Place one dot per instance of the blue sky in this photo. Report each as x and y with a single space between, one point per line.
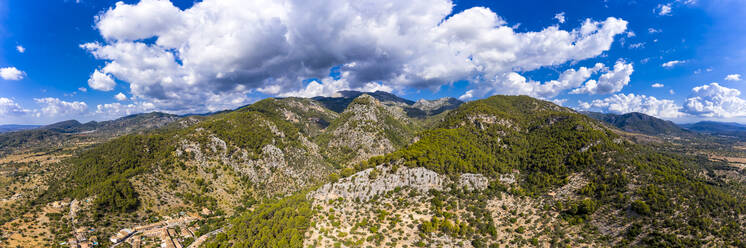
99 60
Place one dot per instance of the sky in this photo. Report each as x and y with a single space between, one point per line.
680 60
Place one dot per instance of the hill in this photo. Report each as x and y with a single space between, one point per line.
13 127
640 123
718 128
292 172
510 171
70 132
420 109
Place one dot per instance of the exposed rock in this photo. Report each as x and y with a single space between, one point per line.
365 184
434 107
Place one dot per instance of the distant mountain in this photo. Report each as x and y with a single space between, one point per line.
341 99
15 127
639 123
74 131
420 109
718 128
434 107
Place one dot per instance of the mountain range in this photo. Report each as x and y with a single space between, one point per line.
372 169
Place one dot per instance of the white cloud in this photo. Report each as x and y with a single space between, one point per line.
8 107
101 81
469 94
672 63
53 107
610 82
671 91
328 87
663 9
733 77
657 85
713 100
560 102
120 96
220 49
698 71
115 110
631 34
560 17
20 49
83 89
11 73
653 30
513 83
637 45
621 104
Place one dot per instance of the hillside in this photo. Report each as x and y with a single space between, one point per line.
71 132
718 128
511 171
640 123
12 127
292 172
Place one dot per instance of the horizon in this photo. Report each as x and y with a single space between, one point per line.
678 60
363 92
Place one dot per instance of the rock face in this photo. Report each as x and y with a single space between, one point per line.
368 183
368 128
434 107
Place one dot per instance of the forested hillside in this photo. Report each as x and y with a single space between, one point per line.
640 123
502 171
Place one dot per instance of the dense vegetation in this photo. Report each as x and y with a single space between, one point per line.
548 144
104 169
277 223
668 199
640 123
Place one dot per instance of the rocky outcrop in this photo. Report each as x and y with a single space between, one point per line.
434 107
366 127
368 183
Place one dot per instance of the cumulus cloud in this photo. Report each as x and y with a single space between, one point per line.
713 100
560 17
663 9
101 81
626 103
653 30
469 94
657 85
20 49
672 63
115 110
610 82
560 102
11 73
513 83
224 49
53 107
83 89
733 77
120 96
8 107
328 87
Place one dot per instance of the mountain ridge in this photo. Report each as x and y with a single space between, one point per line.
290 172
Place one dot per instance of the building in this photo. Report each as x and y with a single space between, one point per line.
121 235
73 243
